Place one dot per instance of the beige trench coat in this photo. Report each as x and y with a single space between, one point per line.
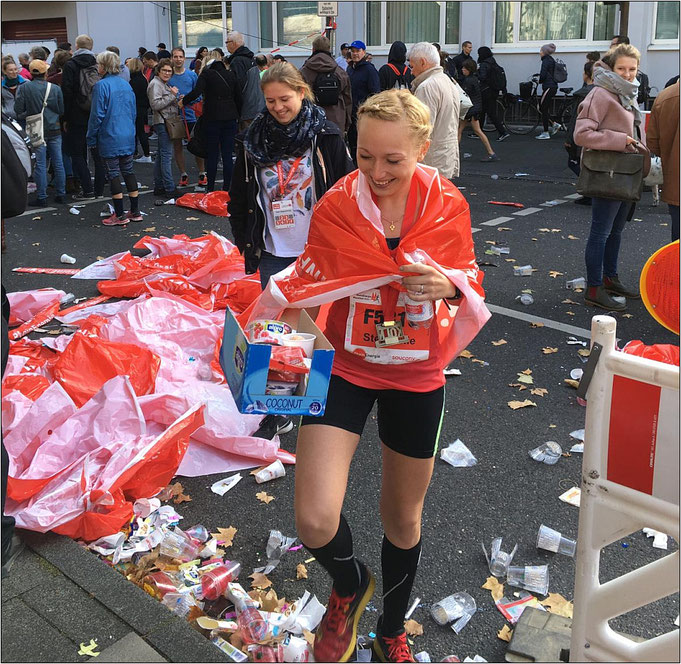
435 89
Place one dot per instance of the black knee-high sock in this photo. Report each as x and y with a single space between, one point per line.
399 572
338 559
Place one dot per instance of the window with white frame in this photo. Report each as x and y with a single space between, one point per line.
284 22
195 24
667 21
412 22
532 22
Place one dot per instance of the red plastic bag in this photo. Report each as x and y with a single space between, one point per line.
287 364
122 287
30 385
87 363
214 202
667 353
133 267
40 356
182 288
238 295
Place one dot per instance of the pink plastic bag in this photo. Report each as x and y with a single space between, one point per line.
26 304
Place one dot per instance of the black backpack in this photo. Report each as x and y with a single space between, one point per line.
87 77
560 72
326 89
497 77
643 87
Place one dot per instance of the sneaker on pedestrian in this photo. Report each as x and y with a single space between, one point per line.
146 159
490 157
391 648
184 180
544 136
107 210
83 196
503 137
336 635
615 286
203 180
553 129
114 220
133 216
273 425
597 296
16 547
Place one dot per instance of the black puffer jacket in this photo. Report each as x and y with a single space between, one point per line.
222 94
398 58
245 211
485 71
70 86
548 66
240 62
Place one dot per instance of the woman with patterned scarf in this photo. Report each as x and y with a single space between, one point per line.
286 160
609 119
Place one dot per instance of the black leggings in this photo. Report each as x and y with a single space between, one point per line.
489 107
140 134
545 104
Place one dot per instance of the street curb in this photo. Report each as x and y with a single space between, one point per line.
168 634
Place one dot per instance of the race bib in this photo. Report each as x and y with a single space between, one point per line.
283 214
365 313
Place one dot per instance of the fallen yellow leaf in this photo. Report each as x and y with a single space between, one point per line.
501 342
548 350
571 382
535 325
478 361
570 313
495 587
510 260
301 571
259 580
527 372
413 628
627 315
584 352
466 354
264 497
555 230
527 380
182 498
557 604
539 391
192 218
554 273
225 535
505 633
151 229
572 237
569 301
544 230
521 404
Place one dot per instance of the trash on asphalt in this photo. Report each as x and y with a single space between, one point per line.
576 374
571 496
277 545
525 299
221 487
424 656
659 539
534 578
577 448
458 608
475 658
74 210
577 434
452 372
510 203
458 455
498 251
65 258
512 609
272 472
522 270
26 304
573 341
548 452
215 581
551 540
498 561
575 284
412 608
519 175
494 177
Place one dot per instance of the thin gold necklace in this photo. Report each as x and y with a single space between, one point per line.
391 224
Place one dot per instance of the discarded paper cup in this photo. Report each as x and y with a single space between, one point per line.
272 471
576 374
552 540
522 270
65 258
302 340
534 578
547 453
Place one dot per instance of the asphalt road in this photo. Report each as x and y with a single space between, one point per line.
507 493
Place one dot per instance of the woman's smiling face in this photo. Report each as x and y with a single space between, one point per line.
626 67
387 155
283 102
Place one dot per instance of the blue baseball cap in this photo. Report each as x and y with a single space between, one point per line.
358 44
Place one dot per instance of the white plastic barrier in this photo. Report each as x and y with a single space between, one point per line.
630 480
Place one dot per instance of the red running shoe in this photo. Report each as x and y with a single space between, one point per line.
391 648
337 633
113 220
203 180
184 180
133 216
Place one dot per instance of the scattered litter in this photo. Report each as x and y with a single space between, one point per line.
495 587
422 656
574 284
576 374
476 658
170 201
554 273
659 539
412 608
192 218
517 205
505 633
548 350
452 372
525 299
519 175
221 487
557 604
512 609
271 472
534 578
498 251
577 448
277 545
522 270
676 622
36 218
552 203
571 496
74 210
498 561
264 497
65 258
501 342
573 341
577 434
89 650
494 177
458 455
548 453
459 607
413 628
301 571
551 540
466 155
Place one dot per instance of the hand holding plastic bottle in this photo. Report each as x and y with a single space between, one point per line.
425 282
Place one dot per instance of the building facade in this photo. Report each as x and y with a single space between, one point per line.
513 30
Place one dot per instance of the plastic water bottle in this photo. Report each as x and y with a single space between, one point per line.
252 625
419 314
215 582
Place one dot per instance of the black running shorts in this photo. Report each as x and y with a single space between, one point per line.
408 422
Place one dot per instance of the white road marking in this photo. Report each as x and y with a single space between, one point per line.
573 196
35 211
496 221
554 325
526 211
475 230
552 203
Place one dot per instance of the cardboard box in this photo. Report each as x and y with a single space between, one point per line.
246 366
